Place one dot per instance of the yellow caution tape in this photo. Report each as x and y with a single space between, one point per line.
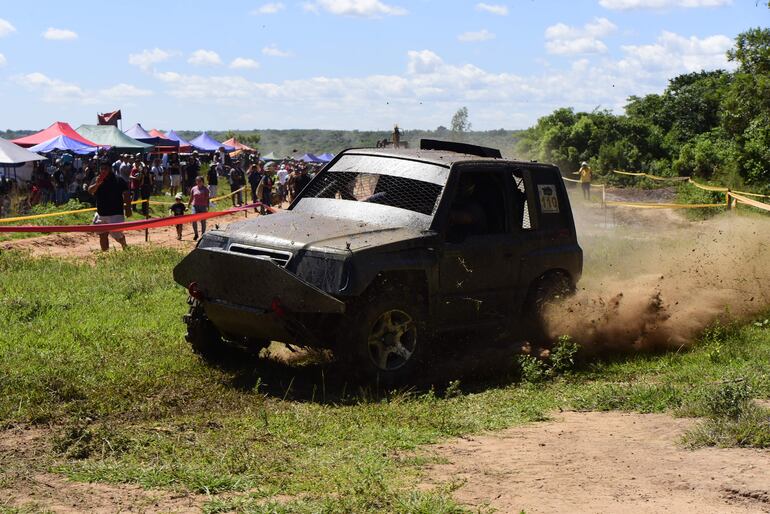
653 177
643 205
749 201
757 195
92 209
717 189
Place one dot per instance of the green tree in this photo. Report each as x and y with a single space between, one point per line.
460 122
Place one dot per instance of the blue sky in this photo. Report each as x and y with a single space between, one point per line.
349 64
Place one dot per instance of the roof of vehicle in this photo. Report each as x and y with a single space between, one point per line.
433 156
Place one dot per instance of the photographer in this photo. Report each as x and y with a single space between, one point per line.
113 203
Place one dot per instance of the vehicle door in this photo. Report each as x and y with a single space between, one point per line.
479 256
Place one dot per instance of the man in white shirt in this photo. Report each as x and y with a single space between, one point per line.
283 177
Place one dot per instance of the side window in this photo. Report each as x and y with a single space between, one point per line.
478 207
520 203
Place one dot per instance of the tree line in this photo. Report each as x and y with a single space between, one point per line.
714 125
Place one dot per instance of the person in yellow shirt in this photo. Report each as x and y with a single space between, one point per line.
585 174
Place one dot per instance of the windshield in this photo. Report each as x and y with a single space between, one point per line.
410 185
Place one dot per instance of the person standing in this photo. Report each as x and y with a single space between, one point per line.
157 175
60 183
237 181
192 169
145 189
178 208
213 178
396 137
283 178
585 175
199 200
113 202
266 190
254 176
174 175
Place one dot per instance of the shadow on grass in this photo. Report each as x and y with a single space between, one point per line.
316 376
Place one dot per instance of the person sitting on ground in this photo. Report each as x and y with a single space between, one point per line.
178 208
113 203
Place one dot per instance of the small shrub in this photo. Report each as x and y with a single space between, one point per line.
564 355
728 400
532 369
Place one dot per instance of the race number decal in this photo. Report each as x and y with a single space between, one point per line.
549 202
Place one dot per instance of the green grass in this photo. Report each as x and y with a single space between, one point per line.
96 351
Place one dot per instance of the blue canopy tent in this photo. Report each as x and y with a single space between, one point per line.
309 157
326 157
137 132
184 145
206 143
64 144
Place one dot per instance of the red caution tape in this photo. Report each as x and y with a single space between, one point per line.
130 225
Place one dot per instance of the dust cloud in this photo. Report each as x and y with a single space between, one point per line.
653 280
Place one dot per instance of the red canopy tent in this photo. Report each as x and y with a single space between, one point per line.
157 133
237 145
59 128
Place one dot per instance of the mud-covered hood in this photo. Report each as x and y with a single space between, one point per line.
295 231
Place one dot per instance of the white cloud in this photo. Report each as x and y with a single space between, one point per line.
269 8
622 5
673 53
243 63
564 39
500 10
472 37
3 60
359 8
59 91
59 34
6 28
204 58
147 58
274 51
121 90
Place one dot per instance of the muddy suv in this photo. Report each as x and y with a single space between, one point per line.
383 252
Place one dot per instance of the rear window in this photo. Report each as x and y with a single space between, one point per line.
381 181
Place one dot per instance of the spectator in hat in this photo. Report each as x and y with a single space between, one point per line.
178 208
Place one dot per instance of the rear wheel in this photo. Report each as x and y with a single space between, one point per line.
385 338
547 289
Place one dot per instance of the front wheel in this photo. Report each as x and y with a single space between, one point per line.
547 289
385 339
203 336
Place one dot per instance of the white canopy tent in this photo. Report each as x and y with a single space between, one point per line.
14 159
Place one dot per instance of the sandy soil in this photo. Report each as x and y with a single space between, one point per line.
603 462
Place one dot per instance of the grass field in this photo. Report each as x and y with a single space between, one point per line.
95 351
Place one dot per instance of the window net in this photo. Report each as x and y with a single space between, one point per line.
403 193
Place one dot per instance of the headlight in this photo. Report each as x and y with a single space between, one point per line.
212 241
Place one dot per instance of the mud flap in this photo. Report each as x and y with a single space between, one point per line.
251 282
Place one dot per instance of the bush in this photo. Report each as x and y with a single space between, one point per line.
728 400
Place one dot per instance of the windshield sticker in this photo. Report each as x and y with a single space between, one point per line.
549 202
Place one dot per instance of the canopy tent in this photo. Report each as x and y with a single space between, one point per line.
309 157
12 154
138 133
237 144
109 135
326 157
184 145
158 133
65 144
59 128
206 143
271 157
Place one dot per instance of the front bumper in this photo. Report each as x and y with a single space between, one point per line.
253 297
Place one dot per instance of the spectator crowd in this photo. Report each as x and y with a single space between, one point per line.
66 177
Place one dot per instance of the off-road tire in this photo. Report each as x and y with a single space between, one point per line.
367 347
203 336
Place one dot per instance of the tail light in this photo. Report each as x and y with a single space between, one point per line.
277 308
195 291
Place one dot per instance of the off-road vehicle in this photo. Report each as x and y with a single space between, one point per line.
384 254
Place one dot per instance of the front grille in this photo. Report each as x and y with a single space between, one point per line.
277 257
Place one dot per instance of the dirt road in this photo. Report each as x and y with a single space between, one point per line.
603 462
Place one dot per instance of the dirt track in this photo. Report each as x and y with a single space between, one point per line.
603 462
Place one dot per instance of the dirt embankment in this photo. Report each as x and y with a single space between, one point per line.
603 462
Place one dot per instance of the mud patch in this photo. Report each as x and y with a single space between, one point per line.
601 462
